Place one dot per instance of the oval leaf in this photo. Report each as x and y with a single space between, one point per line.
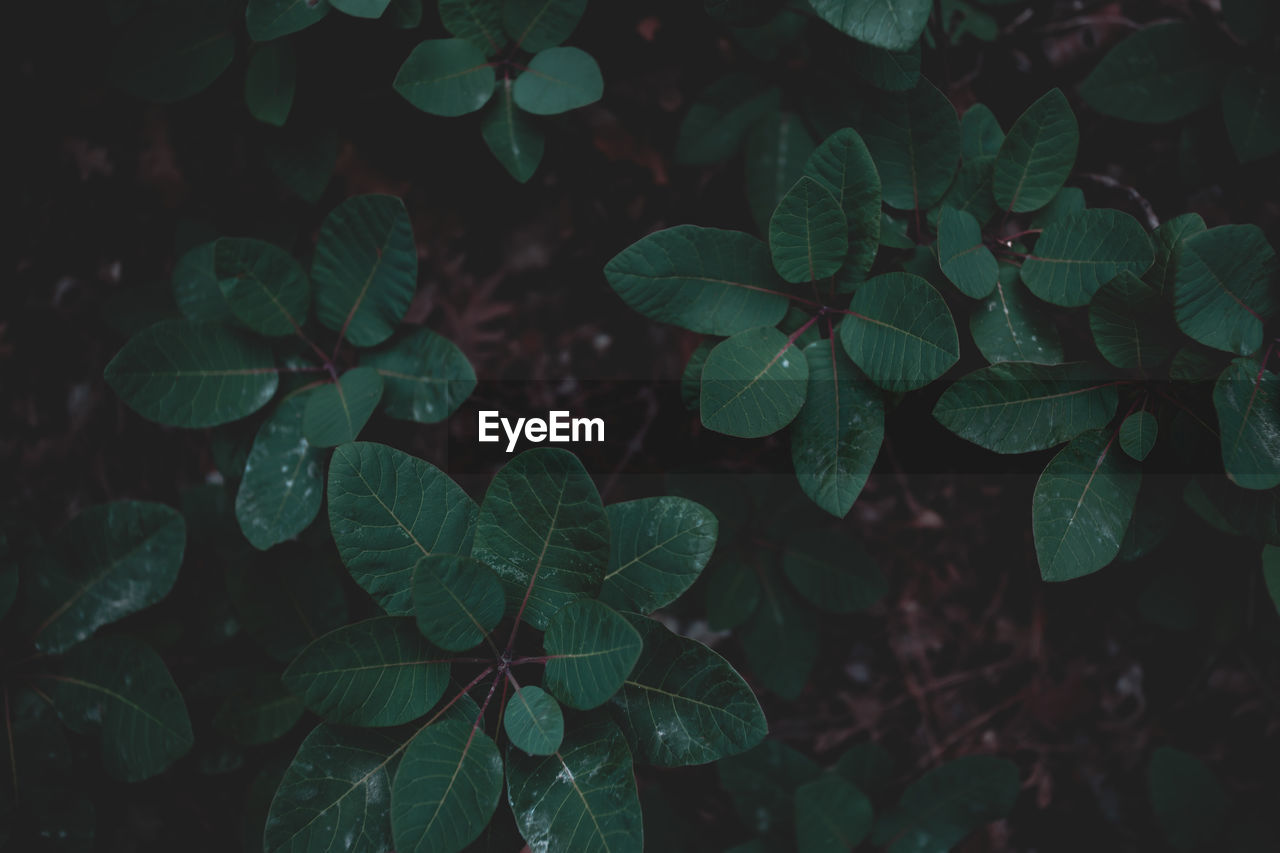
915 140
1077 255
1189 802
900 332
425 377
1222 289
590 651
1036 157
446 77
264 286
808 233
753 384
478 21
282 488
1011 325
270 19
1130 323
963 256
335 413
168 53
456 600
1159 74
1247 399
1138 434
890 24
533 721
980 133
557 80
657 548
512 136
269 82
844 166
539 24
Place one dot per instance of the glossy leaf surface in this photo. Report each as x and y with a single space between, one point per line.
557 80
533 721
1077 255
446 77
282 487
900 332
1037 155
753 384
335 412
808 233
591 649
457 600
1247 400
657 548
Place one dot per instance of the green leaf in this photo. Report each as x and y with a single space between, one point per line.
263 285
914 138
778 147
446 77
286 598
753 384
831 815
733 593
513 138
1222 289
1011 325
1271 572
980 133
893 71
379 672
405 14
1138 434
582 797
762 783
361 8
191 375
446 789
1251 109
425 378
657 549
1077 255
283 486
713 129
1189 802
900 332
478 21
365 269
1168 240
702 279
947 803
964 257
122 686
889 24
837 435
833 572
780 639
172 51
269 82
691 376
195 286
808 233
543 529
1159 74
1082 505
683 704
336 412
536 25
1129 321
557 80
110 561
1247 400
336 793
971 191
1037 155
270 19
387 510
533 721
264 711
590 652
1068 202
456 600
844 166
1019 408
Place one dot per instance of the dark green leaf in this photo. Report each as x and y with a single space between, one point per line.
1082 506
844 166
283 486
122 686
914 138
900 332
195 286
762 784
1251 108
379 672
336 794
533 721
557 80
365 269
361 8
590 652
833 572
446 788
580 798
831 815
657 549
337 411
720 117
837 435
808 233
270 19
691 376
269 82
1189 802
1159 74
1247 399
536 25
446 77
1222 289
387 510
543 529
110 561
733 592
703 279
980 133
964 257
405 14
753 383
890 24
173 51
188 374
456 600
512 136
683 704
971 191
778 147
262 713
1068 202
1018 408
1138 434
1130 323
1077 255
1011 325
1168 242
478 21
780 639
1037 155
425 377
943 806
893 71
263 285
